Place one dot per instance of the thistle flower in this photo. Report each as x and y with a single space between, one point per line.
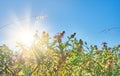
14 58
59 36
104 44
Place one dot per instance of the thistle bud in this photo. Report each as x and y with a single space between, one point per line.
72 36
81 42
95 47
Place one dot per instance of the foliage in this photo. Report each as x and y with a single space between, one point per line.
72 57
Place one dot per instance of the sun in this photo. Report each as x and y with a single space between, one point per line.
23 31
25 37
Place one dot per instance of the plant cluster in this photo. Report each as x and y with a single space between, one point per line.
53 57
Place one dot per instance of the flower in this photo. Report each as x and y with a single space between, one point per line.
14 58
104 43
59 36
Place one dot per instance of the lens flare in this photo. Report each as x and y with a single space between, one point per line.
23 29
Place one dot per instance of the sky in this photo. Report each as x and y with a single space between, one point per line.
88 18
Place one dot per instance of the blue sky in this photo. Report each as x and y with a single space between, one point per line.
85 17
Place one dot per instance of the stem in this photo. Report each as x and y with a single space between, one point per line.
34 70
